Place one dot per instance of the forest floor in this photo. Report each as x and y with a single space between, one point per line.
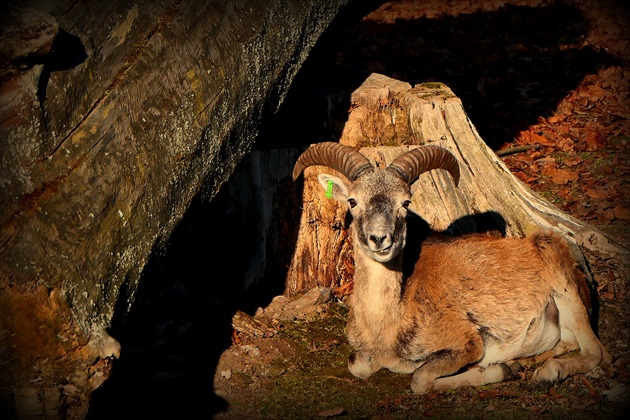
552 77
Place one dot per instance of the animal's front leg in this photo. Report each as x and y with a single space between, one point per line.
422 381
446 362
401 366
362 365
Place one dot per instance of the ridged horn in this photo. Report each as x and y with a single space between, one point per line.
410 165
345 159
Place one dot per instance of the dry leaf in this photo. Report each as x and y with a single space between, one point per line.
573 160
566 145
555 118
565 193
524 177
594 140
618 393
595 93
332 412
560 176
529 137
622 213
596 193
606 216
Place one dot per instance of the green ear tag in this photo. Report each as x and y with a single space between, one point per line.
329 190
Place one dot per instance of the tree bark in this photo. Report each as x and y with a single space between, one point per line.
387 117
114 115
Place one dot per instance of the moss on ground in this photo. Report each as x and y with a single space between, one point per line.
314 382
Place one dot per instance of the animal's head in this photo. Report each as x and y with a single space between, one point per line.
377 198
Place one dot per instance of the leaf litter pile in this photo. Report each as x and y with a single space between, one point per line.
579 155
547 85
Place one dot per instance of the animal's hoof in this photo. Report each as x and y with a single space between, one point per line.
515 367
547 375
421 388
421 385
542 385
360 366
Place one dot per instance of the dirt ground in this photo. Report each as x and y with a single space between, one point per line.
570 63
300 372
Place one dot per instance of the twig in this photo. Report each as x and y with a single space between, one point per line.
517 149
332 377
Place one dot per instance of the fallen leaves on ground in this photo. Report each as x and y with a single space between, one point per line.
584 164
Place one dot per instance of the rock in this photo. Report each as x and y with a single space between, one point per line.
315 296
247 324
279 300
250 350
27 33
308 304
27 402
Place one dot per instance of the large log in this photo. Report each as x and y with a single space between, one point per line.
114 115
386 118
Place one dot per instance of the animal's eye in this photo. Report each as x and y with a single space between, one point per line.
352 202
406 203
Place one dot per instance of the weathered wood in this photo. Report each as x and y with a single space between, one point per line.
387 112
323 251
114 115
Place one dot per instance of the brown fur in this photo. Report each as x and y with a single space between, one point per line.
468 294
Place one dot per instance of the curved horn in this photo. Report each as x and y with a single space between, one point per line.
410 165
345 159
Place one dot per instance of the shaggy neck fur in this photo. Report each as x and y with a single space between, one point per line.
377 291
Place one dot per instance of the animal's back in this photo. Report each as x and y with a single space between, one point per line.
500 283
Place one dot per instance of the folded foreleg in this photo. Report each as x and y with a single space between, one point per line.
448 361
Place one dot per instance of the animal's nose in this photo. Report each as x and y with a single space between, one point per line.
380 241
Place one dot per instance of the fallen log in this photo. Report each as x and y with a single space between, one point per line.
113 117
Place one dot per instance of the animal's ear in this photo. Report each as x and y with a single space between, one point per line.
334 187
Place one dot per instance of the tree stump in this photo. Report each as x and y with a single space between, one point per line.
388 117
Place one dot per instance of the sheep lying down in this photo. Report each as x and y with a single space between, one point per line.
472 306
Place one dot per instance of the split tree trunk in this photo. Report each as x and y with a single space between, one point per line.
387 118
